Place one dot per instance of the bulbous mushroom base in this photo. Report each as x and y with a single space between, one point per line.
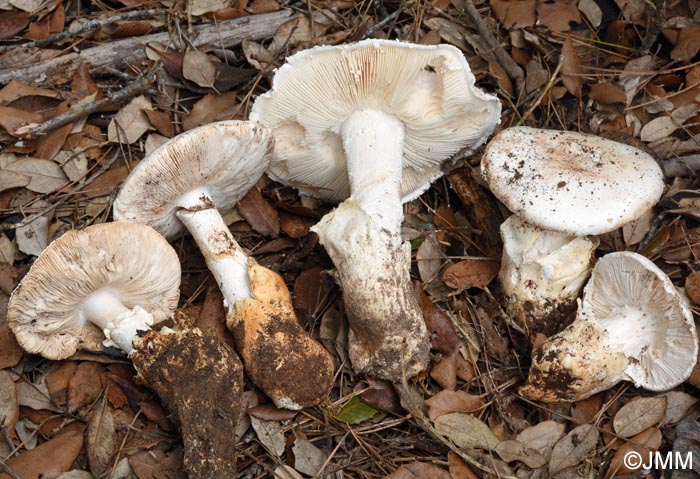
575 364
546 317
279 356
388 337
199 380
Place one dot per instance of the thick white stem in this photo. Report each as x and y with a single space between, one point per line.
373 143
119 323
225 258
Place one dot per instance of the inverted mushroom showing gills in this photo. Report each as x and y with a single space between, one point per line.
563 187
184 184
125 277
372 123
632 325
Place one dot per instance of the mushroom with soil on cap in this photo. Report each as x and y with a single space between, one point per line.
632 325
563 187
184 184
372 123
125 277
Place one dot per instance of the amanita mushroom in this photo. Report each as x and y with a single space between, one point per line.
124 277
372 123
185 183
632 325
564 187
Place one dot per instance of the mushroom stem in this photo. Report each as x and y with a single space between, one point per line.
388 337
373 143
119 323
225 258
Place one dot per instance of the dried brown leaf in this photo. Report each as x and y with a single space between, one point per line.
458 469
260 214
161 121
295 226
100 439
514 14
591 11
211 108
692 286
48 459
557 16
12 22
381 395
572 448
501 76
57 381
198 68
10 351
470 273
543 436
586 410
308 459
19 122
32 238
446 402
419 470
58 19
443 335
15 90
44 176
571 68
635 231
263 6
517 451
106 183
269 412
9 403
466 431
679 403
640 446
84 386
639 414
658 128
688 44
535 76
11 179
131 122
269 434
607 93
155 464
429 258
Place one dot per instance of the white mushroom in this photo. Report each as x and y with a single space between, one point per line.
567 186
632 325
184 184
122 277
372 123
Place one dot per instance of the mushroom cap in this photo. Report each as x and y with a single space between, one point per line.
429 88
570 182
130 260
225 158
645 316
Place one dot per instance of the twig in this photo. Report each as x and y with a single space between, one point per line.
86 27
140 85
370 31
546 89
508 64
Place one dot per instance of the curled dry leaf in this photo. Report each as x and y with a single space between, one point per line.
514 15
466 431
557 16
429 258
639 414
260 214
591 11
11 23
100 439
470 273
50 458
9 404
572 448
446 402
419 470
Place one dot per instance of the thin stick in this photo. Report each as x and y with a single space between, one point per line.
370 31
91 25
546 89
140 85
508 64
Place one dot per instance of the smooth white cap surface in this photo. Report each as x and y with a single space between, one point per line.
129 260
224 159
570 182
430 89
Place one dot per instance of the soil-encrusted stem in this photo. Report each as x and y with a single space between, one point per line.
362 236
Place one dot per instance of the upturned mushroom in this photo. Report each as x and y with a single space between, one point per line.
125 277
632 325
184 184
372 123
564 188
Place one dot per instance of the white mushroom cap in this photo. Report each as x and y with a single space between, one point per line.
430 89
224 159
645 316
571 182
128 260
632 324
